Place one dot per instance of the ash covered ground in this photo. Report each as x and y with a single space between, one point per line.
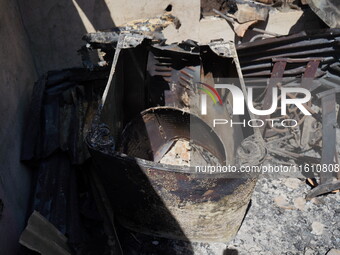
281 221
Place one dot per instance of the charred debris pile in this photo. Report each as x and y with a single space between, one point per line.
98 137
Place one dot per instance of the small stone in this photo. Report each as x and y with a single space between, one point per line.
155 242
333 252
281 201
300 203
317 228
292 183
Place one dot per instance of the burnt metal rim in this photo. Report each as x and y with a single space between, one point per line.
212 133
147 164
159 166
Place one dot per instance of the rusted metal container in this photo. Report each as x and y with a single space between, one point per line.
159 199
167 200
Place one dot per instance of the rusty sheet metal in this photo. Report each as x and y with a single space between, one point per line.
276 77
309 74
319 46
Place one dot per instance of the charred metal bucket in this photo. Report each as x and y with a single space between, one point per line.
151 197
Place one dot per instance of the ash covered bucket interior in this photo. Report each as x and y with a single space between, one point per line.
163 135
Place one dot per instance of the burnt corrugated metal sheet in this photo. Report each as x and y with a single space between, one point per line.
63 104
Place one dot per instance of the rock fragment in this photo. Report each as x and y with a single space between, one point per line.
317 228
300 203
